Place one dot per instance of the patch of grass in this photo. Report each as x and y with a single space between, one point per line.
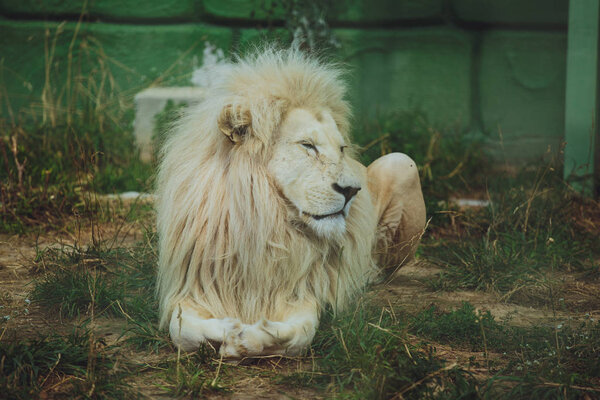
464 327
515 246
372 353
568 354
47 168
500 266
194 374
536 387
557 362
367 354
74 365
144 335
76 292
539 362
108 281
114 281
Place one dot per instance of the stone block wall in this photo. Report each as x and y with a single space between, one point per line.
490 66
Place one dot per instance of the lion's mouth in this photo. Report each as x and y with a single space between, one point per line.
323 216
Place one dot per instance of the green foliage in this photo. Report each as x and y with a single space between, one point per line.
28 367
144 335
114 281
449 161
46 169
56 154
542 361
500 267
463 327
194 374
558 362
568 352
75 292
365 353
525 233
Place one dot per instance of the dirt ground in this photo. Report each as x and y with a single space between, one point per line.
408 290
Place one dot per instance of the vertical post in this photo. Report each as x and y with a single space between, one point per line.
581 103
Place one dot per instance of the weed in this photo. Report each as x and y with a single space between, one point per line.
499 267
365 353
103 280
535 387
52 365
74 292
565 353
559 362
116 281
145 335
515 246
463 326
194 374
540 361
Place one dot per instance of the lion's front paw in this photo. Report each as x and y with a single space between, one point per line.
253 340
230 348
232 326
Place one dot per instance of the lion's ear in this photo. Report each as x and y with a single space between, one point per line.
235 123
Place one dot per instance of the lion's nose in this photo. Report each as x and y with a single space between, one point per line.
348 191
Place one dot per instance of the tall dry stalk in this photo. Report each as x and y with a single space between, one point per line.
70 64
49 105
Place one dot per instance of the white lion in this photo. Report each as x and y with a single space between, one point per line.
265 217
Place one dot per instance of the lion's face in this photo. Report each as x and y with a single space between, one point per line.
312 170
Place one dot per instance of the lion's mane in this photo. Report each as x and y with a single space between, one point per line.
224 237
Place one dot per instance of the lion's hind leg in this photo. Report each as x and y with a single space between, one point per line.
191 326
396 189
290 335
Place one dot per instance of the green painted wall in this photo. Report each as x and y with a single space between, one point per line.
522 90
582 153
428 69
538 13
355 11
108 10
489 66
358 12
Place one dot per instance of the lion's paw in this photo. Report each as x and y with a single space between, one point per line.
253 340
230 347
232 326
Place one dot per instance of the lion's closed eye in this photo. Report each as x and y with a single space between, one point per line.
309 146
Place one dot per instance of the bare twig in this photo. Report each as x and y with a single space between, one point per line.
20 165
417 383
70 63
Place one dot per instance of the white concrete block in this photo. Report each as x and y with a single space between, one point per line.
152 101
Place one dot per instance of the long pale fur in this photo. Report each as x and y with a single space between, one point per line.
224 235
